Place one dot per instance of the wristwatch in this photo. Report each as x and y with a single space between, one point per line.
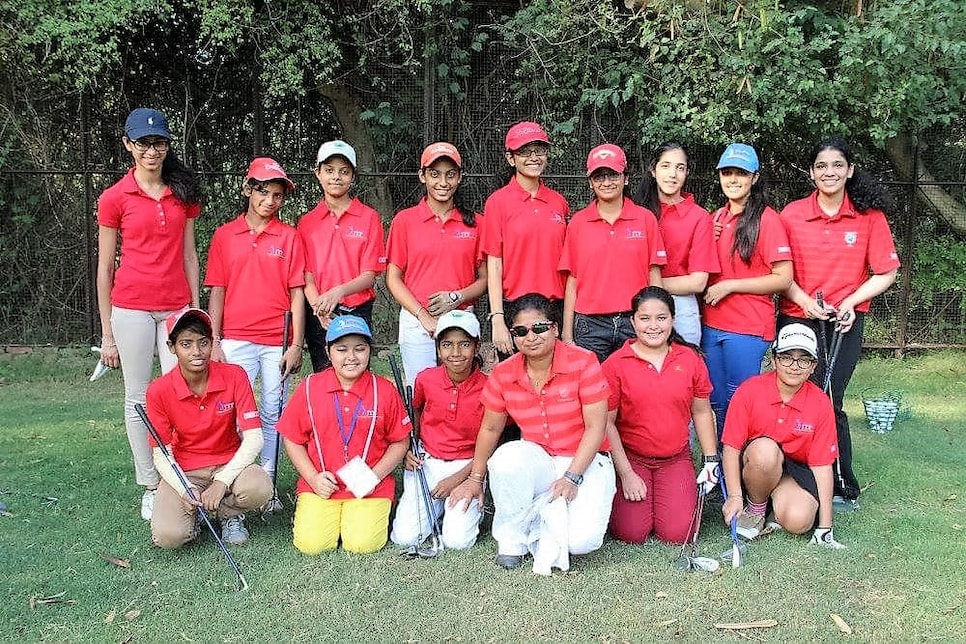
576 479
713 458
454 296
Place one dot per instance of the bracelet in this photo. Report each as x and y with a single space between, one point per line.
476 478
495 313
106 345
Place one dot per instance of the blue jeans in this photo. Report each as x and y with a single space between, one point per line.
732 358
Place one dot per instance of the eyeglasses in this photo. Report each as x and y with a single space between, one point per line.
803 362
142 145
531 152
838 166
521 331
606 177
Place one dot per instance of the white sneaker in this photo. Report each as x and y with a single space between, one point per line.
233 530
147 504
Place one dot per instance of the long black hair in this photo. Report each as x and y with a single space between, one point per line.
865 191
657 293
466 210
647 194
182 180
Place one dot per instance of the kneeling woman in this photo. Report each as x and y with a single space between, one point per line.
344 428
554 488
658 384
447 403
205 412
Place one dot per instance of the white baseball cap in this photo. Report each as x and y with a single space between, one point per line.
330 149
459 319
796 336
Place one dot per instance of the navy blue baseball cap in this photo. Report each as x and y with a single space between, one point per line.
145 121
347 325
739 155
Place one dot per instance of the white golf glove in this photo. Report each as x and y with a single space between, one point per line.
824 537
708 477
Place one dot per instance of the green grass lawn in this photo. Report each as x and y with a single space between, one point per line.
901 579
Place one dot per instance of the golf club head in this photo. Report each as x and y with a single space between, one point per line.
682 563
728 555
242 583
99 367
704 564
409 553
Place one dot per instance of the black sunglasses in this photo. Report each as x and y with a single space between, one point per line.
521 331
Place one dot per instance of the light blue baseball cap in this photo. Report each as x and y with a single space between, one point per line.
739 155
347 325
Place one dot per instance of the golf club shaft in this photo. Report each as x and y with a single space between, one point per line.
139 408
286 338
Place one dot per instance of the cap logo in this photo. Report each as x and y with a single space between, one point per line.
604 154
273 166
150 120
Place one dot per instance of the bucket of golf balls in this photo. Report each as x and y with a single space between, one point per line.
881 410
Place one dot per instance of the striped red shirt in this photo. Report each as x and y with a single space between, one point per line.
553 417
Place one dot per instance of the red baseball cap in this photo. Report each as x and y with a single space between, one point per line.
174 322
436 151
606 156
267 169
525 132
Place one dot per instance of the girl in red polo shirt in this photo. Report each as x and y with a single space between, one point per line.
151 213
552 489
612 226
524 230
345 431
687 231
435 262
842 248
658 384
345 249
739 313
447 401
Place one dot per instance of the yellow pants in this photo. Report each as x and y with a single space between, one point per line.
362 524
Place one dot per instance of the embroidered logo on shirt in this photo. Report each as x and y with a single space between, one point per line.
275 251
801 426
558 218
248 415
634 234
224 407
851 238
355 233
464 234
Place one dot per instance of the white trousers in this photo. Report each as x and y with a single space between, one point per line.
412 522
261 361
139 334
687 318
417 347
520 472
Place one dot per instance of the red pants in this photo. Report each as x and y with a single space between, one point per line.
668 505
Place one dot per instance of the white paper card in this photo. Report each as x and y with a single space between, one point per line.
358 477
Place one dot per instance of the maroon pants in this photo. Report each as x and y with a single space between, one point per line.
668 505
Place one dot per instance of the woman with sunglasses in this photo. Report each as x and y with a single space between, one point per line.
524 227
150 214
739 312
615 228
552 489
844 256
435 263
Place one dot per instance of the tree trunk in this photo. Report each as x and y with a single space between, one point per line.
902 153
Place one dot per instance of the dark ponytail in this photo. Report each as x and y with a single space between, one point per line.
749 223
647 193
182 181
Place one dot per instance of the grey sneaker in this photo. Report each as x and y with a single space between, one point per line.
233 530
750 525
842 504
147 504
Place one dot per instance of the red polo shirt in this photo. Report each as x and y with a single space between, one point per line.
688 233
451 413
553 417
339 249
391 425
654 407
203 431
804 427
257 272
151 274
528 234
744 312
611 262
835 254
434 255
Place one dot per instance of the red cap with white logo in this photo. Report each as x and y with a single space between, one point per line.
606 156
266 169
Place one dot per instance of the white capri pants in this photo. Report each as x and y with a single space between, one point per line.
412 523
520 471
687 318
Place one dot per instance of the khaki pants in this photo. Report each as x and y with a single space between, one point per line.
172 526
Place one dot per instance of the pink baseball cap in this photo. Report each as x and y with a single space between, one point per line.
438 150
606 156
267 169
174 322
525 132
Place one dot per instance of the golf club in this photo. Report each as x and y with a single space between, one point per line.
738 550
689 559
275 503
139 408
99 367
823 332
833 354
436 542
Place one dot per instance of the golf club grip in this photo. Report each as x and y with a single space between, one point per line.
286 331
